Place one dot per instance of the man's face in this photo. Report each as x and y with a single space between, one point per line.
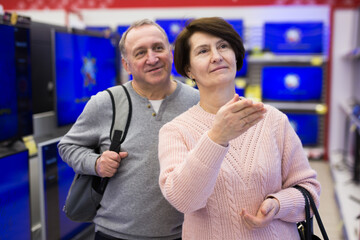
148 55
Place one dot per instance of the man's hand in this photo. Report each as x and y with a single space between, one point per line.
108 163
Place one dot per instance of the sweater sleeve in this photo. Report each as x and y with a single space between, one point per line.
295 170
77 147
188 176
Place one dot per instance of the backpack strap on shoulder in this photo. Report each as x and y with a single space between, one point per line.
122 110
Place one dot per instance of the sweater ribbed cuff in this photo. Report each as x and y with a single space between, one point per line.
288 201
210 153
89 164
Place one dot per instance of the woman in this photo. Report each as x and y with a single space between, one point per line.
227 163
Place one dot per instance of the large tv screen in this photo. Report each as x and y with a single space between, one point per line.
55 180
294 37
15 82
282 83
172 27
238 25
84 65
306 125
15 218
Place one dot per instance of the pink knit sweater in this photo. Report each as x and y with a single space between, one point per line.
211 184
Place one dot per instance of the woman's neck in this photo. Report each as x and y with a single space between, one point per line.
211 100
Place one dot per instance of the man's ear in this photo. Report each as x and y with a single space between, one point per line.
188 73
125 65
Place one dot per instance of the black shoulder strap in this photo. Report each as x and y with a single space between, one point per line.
307 194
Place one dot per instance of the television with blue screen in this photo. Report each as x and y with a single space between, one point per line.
238 25
172 27
282 83
84 65
15 218
55 181
306 125
294 37
243 71
120 29
15 82
98 28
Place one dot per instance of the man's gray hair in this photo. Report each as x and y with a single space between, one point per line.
136 25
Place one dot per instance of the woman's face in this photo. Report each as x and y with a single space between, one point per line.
212 60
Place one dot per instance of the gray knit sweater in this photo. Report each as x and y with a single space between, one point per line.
133 206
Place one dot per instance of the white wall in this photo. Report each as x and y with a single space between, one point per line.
342 74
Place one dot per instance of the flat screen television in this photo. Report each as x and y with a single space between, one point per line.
15 218
307 126
243 71
282 83
98 28
55 180
120 29
15 81
294 37
172 27
84 65
238 25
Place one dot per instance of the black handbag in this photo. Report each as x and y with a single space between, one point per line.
305 228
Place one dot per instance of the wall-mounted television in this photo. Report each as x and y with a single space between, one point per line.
238 25
283 83
307 126
55 180
294 37
15 81
99 28
172 27
84 65
120 29
243 71
15 218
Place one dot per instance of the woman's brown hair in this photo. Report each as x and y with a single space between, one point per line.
215 26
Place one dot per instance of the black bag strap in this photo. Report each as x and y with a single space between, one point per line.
308 219
308 196
117 134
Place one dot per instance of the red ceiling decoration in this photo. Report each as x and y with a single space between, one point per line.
9 5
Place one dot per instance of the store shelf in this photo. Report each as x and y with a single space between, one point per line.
348 196
271 58
346 107
313 107
354 54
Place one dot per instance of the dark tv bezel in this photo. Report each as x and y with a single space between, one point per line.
20 134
